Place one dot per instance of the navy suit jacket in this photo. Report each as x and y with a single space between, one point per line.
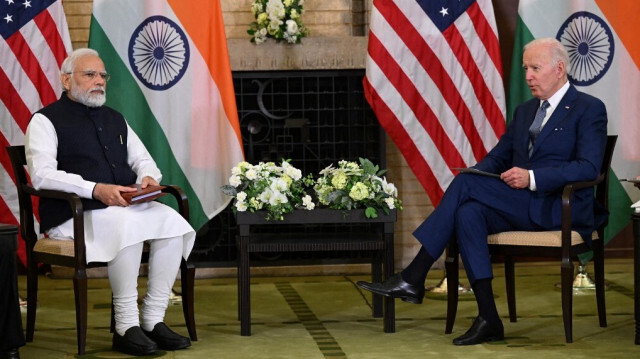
570 148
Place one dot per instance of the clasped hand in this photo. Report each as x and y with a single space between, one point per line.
516 177
109 194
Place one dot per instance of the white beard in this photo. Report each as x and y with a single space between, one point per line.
87 98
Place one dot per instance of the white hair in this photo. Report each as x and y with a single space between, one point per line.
558 51
69 64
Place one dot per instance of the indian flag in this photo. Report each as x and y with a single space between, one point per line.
604 49
171 79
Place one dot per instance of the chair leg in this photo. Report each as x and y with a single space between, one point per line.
510 283
112 328
453 280
32 298
187 280
598 264
80 292
566 274
376 277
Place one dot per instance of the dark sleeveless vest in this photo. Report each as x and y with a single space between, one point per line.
92 142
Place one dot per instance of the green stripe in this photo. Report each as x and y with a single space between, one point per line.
619 201
518 90
125 96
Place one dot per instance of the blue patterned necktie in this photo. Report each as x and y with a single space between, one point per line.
536 126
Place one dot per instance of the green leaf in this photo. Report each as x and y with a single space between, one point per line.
229 190
371 212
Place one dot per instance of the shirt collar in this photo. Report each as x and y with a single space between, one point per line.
555 99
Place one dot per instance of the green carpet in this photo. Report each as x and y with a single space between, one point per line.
329 317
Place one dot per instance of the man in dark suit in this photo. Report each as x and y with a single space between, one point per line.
556 138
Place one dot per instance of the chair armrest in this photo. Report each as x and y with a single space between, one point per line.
567 198
77 212
181 199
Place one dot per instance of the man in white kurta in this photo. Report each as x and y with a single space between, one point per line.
114 231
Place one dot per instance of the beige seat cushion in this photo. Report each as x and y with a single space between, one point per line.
54 246
540 239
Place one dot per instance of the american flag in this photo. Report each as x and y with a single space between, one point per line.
35 41
434 81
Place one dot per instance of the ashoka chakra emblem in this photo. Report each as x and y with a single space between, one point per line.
590 44
158 52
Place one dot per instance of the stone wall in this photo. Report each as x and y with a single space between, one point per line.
336 41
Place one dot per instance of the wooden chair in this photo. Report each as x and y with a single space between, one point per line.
73 253
564 245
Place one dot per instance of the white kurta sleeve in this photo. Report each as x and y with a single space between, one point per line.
41 149
139 158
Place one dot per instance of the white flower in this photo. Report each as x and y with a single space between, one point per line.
251 174
236 170
235 180
278 198
294 14
275 9
291 171
266 195
389 188
292 27
308 203
288 2
390 202
256 7
241 206
241 196
300 2
279 185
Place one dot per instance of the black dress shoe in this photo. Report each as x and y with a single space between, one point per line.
134 342
12 353
396 287
481 331
167 339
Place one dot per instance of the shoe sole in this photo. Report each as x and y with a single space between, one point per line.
492 339
412 300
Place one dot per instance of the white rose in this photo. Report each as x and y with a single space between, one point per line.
390 203
235 181
308 203
251 174
241 206
241 196
292 27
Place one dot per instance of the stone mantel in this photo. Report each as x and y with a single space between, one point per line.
314 53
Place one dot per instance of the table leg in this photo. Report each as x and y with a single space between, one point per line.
376 277
244 287
636 271
389 303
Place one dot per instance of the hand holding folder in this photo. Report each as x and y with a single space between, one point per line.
147 194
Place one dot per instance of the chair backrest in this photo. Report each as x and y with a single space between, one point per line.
18 163
602 189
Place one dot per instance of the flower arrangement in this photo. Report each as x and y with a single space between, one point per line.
266 186
352 185
278 19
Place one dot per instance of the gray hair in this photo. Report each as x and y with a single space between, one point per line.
558 51
69 64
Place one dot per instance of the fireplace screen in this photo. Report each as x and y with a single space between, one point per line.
313 118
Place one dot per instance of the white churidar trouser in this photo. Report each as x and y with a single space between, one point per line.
164 263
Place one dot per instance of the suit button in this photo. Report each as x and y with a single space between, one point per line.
106 148
113 165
